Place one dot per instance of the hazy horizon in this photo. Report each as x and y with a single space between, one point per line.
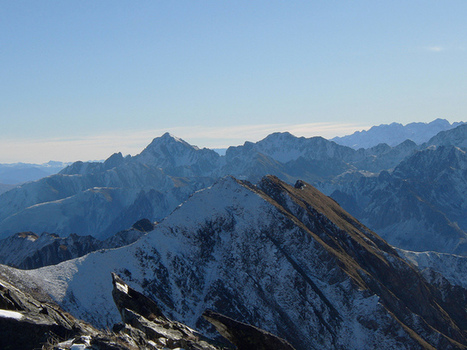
133 144
39 151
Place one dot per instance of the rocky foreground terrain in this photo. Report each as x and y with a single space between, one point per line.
284 258
28 322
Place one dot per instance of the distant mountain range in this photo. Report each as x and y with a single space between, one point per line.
395 133
392 134
16 173
413 195
101 198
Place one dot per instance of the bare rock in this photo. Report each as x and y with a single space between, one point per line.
244 336
26 323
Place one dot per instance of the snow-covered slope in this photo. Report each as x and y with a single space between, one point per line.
395 133
284 258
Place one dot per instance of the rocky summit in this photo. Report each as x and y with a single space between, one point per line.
286 259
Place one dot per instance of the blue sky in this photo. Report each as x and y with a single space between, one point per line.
84 79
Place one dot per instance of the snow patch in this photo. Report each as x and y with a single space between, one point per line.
122 287
11 314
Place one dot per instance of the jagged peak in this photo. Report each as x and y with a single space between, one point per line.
168 138
114 160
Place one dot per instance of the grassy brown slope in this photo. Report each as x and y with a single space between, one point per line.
367 259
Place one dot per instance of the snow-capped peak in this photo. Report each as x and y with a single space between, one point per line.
175 155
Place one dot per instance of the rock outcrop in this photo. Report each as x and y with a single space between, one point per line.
244 336
142 314
26 323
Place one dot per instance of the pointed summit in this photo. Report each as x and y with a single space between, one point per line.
177 157
170 138
167 140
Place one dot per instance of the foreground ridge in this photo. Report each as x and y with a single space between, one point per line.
44 325
284 258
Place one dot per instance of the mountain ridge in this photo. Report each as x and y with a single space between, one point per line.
102 198
317 282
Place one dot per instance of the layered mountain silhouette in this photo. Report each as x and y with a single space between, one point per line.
102 198
413 195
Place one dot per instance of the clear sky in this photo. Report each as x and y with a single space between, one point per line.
80 80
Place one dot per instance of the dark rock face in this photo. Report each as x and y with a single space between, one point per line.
141 314
128 298
26 323
143 225
244 336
